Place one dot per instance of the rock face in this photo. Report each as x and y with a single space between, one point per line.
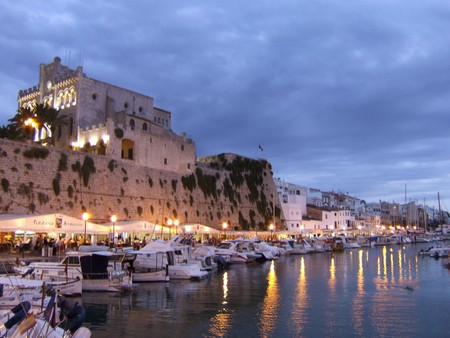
223 188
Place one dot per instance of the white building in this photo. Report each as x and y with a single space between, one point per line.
293 203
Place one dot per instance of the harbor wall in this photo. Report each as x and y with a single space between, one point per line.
225 188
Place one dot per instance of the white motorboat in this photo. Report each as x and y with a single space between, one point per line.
348 242
15 289
227 250
439 252
176 269
297 248
265 250
98 269
187 251
56 276
365 242
149 266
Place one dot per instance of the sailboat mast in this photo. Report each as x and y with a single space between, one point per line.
424 216
440 214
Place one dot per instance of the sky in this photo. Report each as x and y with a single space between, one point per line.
349 96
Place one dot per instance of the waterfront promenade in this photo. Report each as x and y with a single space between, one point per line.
9 258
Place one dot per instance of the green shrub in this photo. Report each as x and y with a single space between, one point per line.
5 185
118 132
62 164
37 153
111 165
55 184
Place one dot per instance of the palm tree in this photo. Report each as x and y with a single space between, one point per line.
27 120
23 124
50 119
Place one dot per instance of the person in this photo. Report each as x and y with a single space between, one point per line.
72 313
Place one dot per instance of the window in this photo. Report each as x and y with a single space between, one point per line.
165 161
125 105
132 124
182 147
144 126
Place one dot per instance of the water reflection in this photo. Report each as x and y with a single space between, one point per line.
268 315
301 303
220 323
362 293
332 280
358 301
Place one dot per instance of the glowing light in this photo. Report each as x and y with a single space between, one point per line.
105 138
30 122
93 140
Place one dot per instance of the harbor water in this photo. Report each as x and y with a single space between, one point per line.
369 292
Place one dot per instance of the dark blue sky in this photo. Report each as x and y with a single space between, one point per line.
350 96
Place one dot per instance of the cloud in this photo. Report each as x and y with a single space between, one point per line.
349 96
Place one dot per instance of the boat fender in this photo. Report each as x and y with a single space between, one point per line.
20 311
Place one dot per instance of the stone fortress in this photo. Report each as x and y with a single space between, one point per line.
119 155
98 110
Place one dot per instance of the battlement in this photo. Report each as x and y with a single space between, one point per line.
28 91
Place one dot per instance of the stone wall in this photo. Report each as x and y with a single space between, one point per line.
36 179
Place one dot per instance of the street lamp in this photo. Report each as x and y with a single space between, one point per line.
271 227
225 226
169 223
114 220
85 217
176 223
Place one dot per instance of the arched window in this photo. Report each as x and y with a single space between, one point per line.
73 95
132 124
144 126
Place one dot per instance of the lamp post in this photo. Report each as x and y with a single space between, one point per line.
224 227
114 220
271 227
176 223
169 224
85 217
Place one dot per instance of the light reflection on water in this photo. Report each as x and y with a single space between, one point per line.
268 314
358 293
299 306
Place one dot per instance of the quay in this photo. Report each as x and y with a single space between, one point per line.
9 259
